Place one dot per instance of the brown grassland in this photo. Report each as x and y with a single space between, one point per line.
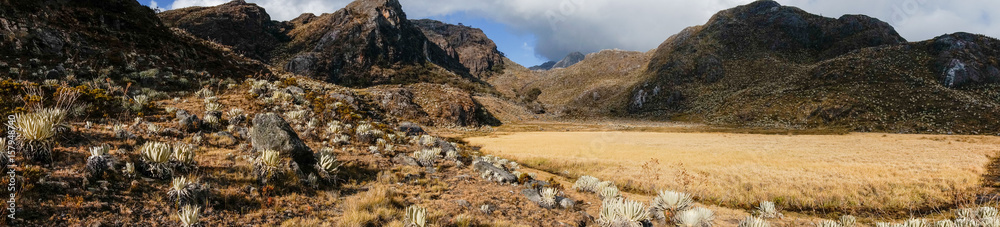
865 174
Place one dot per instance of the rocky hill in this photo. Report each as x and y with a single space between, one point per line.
53 39
369 42
570 60
566 62
467 44
767 65
244 26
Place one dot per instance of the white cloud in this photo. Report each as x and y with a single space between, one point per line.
563 26
153 5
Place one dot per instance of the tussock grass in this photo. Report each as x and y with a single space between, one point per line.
376 207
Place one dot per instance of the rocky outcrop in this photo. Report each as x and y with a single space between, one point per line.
570 60
467 44
50 39
494 173
431 104
965 59
244 26
271 132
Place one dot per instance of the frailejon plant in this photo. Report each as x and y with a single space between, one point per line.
427 157
183 157
100 162
622 212
752 221
129 170
697 217
985 212
36 132
266 167
848 221
156 157
416 216
944 223
328 163
586 184
184 192
667 203
189 215
766 209
827 223
549 197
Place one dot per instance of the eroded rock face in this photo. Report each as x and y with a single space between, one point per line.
469 45
964 59
271 132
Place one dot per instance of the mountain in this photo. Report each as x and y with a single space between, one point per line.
244 26
569 60
592 87
767 65
88 39
467 44
369 42
544 66
566 62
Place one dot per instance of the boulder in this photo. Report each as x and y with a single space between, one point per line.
497 174
187 122
271 132
411 129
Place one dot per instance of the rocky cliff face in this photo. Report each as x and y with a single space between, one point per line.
52 39
767 65
244 26
369 42
469 45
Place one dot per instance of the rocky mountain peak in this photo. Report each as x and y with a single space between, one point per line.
570 60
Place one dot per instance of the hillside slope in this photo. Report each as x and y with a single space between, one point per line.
467 44
766 65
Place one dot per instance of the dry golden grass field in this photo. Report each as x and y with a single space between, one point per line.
867 174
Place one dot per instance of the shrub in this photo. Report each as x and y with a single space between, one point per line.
328 163
768 210
989 222
697 217
156 157
213 107
608 191
416 216
586 184
752 221
99 163
183 153
189 215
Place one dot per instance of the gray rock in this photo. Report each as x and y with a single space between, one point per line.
463 203
411 129
295 90
565 203
500 175
403 159
271 132
187 122
532 195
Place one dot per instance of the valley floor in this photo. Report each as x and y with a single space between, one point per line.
873 176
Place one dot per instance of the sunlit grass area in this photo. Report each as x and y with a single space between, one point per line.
880 174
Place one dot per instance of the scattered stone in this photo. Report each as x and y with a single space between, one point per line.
411 129
403 159
498 174
187 122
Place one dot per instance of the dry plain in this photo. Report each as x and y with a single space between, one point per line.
865 174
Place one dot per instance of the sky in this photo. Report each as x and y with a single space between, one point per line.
531 32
